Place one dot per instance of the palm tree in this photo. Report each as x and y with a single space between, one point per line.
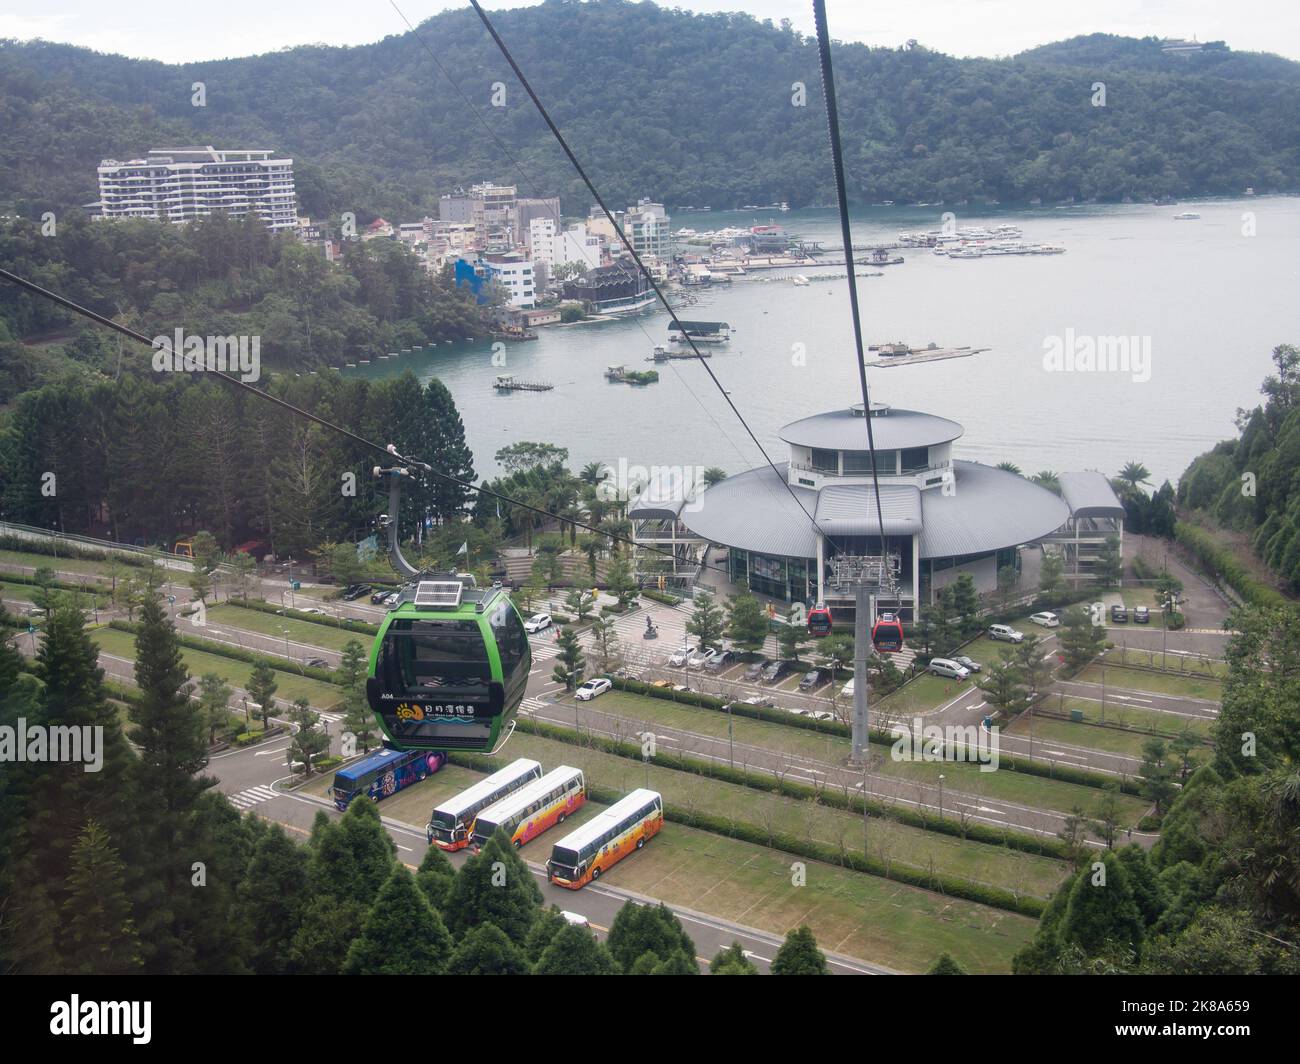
1135 473
1010 467
592 473
1047 479
714 475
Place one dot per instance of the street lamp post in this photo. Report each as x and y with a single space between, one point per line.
941 778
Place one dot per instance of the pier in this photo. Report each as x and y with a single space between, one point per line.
510 383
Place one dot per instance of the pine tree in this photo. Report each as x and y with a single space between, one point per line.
494 887
102 939
214 702
485 950
747 623
436 876
706 621
732 961
401 935
574 951
272 896
639 930
799 955
570 663
308 739
261 689
351 857
945 965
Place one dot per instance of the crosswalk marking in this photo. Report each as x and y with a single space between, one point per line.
251 797
532 704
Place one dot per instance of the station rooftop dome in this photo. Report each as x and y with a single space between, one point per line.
891 428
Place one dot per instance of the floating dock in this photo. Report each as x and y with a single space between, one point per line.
510 383
899 354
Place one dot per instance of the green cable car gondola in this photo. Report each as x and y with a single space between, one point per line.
449 667
450 663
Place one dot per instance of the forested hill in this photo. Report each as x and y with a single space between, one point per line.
691 109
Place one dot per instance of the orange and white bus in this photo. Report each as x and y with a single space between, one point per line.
532 809
450 825
584 853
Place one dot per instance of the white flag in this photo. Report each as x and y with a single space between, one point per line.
464 548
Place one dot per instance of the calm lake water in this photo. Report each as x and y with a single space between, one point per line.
1212 301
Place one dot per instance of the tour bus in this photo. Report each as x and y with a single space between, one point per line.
584 853
532 809
383 773
449 825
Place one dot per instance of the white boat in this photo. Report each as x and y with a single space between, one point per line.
800 281
784 206
683 231
1186 216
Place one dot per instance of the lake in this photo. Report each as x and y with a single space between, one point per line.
1210 302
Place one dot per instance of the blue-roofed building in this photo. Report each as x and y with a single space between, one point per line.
788 530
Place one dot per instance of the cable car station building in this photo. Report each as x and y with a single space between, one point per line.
942 516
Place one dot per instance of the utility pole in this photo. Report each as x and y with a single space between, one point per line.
863 611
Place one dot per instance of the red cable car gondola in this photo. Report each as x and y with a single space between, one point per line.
887 633
819 620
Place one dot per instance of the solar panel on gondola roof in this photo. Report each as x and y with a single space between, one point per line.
439 593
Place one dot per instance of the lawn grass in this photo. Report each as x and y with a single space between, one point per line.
1137 719
326 636
923 695
1158 683
1112 740
892 924
1180 664
289 685
84 566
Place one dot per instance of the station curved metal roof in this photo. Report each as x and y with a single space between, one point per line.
987 509
892 429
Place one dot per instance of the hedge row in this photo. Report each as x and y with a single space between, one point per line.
1063 773
8 541
661 596
349 624
753 833
58 585
224 650
1223 565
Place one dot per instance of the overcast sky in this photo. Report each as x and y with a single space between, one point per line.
172 32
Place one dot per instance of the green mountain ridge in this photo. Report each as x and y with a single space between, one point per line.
689 109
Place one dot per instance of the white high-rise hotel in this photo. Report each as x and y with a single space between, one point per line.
177 184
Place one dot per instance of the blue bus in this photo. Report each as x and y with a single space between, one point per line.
383 773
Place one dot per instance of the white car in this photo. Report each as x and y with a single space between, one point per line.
701 657
592 688
948 668
680 656
1047 619
537 622
311 609
576 919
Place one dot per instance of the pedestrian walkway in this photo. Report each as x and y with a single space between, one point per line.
532 705
251 797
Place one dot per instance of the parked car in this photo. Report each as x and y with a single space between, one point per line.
776 670
354 591
813 679
392 598
1047 619
315 611
970 663
1141 615
661 683
576 919
821 714
699 658
318 663
537 622
1118 614
378 596
755 671
679 657
1005 633
948 668
758 700
721 660
592 688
